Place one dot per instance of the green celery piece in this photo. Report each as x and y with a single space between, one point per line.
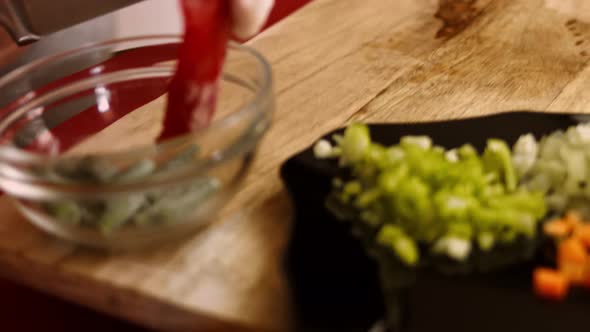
376 154
467 151
367 198
531 202
172 205
553 168
91 212
575 163
492 191
137 171
118 212
460 229
371 218
389 233
486 219
404 247
467 172
527 225
497 157
88 168
365 171
463 188
508 236
337 183
491 177
394 155
540 182
421 142
65 211
185 157
486 240
355 143
424 163
412 204
505 220
438 150
100 169
350 190
337 138
557 201
454 247
389 179
550 146
472 168
453 207
407 250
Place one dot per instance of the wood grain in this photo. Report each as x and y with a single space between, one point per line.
334 62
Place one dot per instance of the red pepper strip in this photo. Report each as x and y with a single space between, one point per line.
193 90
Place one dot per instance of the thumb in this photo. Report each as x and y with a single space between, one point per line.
248 16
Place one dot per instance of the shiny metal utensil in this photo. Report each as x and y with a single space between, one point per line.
27 21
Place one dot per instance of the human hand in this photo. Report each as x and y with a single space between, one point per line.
249 16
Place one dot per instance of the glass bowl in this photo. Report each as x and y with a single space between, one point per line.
78 148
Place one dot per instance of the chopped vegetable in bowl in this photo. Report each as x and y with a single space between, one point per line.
138 210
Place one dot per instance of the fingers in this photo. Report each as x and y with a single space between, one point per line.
249 16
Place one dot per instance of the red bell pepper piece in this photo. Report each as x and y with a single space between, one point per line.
193 90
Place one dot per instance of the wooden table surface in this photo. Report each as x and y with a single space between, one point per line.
335 61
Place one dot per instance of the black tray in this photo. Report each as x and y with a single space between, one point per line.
336 286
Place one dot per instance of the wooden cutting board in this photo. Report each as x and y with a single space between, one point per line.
335 61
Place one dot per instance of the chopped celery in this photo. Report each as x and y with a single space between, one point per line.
118 211
67 211
389 180
498 158
109 214
451 201
139 170
560 168
525 153
422 142
393 237
454 247
485 240
323 149
355 143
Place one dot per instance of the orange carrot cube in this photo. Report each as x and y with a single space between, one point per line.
557 228
582 232
550 284
572 258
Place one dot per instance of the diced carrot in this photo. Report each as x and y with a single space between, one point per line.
586 283
550 284
572 258
575 273
572 250
557 228
582 232
573 219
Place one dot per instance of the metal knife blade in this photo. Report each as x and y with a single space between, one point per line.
27 20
